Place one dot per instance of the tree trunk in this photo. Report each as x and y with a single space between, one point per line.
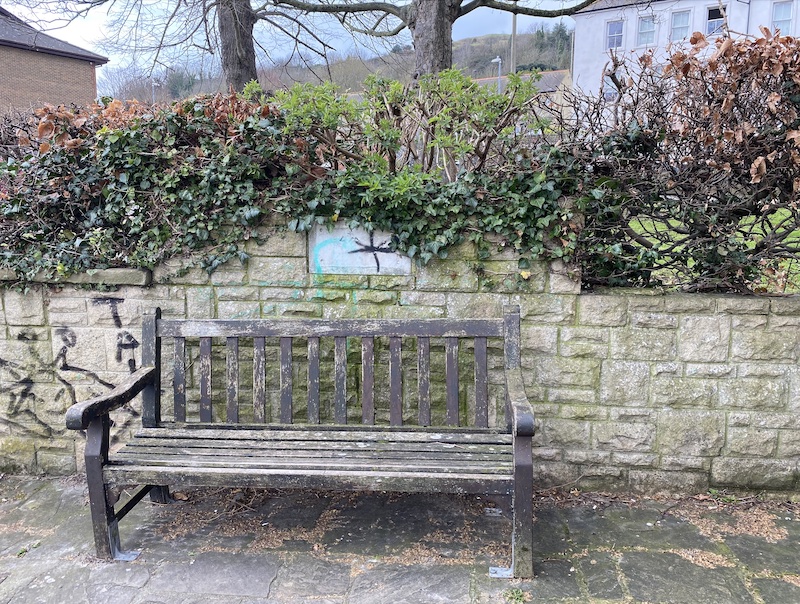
235 19
431 25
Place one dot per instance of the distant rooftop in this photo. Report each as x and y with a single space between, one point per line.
606 4
14 32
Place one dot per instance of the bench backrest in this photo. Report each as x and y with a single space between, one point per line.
193 347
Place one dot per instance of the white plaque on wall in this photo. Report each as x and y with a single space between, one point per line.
345 251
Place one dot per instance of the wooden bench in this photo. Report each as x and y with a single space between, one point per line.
289 432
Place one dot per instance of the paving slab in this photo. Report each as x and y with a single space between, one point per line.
235 546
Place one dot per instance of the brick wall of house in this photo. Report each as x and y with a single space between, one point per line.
33 78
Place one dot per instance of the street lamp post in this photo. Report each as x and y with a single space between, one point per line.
499 62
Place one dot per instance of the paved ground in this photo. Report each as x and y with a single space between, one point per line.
259 547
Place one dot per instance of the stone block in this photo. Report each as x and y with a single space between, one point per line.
711 370
24 308
539 340
236 309
788 444
247 293
666 368
764 345
140 277
584 342
575 396
563 279
583 457
624 437
602 310
654 320
741 305
548 308
288 294
339 281
17 455
563 373
582 412
325 295
691 433
412 312
659 482
392 282
54 462
546 454
643 344
704 339
624 383
753 393
277 272
25 361
745 322
414 298
642 300
68 319
298 309
789 305
200 303
689 303
565 433
678 463
778 323
368 296
750 442
632 414
449 275
114 311
635 460
762 369
477 305
280 244
66 303
677 392
770 474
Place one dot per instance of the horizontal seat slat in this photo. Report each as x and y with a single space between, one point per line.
292 328
412 482
327 433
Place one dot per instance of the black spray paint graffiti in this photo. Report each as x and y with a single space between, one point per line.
371 248
125 339
24 406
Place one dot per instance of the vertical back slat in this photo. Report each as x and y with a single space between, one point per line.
232 379
179 379
368 380
481 384
313 380
205 380
259 380
395 381
511 347
151 357
286 380
451 379
340 380
424 380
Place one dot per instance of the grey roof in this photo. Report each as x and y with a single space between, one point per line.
607 4
16 33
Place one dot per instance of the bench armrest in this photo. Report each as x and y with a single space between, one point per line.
521 409
80 415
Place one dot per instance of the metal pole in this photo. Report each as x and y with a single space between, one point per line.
513 67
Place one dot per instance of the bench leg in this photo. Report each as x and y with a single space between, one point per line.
160 494
104 520
522 538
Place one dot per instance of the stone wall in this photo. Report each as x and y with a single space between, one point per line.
633 390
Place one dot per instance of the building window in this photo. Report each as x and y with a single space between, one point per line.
716 19
782 17
680 26
647 31
614 34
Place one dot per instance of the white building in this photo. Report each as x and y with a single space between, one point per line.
630 28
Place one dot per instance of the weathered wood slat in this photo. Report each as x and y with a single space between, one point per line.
451 380
232 379
354 433
340 380
286 380
456 328
179 380
481 384
259 380
151 357
420 482
424 380
257 447
395 381
368 380
206 414
313 380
